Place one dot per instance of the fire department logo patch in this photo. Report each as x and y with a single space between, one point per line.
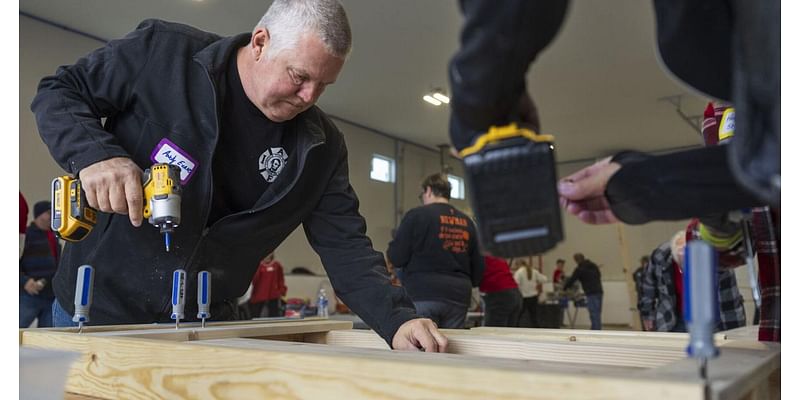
271 163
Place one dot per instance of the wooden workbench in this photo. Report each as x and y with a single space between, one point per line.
319 359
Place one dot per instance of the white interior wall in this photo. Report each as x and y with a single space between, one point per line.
43 48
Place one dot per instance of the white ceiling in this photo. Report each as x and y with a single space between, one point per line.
597 86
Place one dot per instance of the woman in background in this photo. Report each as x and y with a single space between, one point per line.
530 282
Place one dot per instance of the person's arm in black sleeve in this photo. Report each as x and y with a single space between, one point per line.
400 248
476 260
337 232
685 184
572 278
487 74
70 104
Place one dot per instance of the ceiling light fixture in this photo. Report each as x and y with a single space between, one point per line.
436 96
439 96
431 100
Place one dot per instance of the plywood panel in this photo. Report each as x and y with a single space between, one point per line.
482 363
135 368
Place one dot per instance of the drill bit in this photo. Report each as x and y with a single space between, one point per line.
704 369
704 377
166 241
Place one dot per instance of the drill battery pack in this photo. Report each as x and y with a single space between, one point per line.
71 218
512 182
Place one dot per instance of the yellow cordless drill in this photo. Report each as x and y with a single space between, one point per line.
512 179
72 219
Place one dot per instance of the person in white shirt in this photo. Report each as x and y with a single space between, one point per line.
529 281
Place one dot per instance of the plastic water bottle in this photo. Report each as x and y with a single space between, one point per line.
322 304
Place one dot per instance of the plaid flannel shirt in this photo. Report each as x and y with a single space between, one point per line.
658 294
766 233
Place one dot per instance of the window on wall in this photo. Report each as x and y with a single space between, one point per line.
382 168
457 187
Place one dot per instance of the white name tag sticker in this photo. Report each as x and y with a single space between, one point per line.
169 153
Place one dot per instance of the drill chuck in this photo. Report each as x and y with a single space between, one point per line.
165 212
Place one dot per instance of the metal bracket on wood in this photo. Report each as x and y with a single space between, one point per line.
694 121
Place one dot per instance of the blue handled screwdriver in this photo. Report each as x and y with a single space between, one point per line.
701 302
83 295
203 297
178 296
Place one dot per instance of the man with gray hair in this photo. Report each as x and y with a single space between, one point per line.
257 159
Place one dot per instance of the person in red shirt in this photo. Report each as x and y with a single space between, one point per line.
23 214
503 301
23 221
558 274
268 288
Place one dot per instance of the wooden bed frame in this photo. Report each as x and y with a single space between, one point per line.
319 359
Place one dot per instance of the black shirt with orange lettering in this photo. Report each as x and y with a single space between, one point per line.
436 246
